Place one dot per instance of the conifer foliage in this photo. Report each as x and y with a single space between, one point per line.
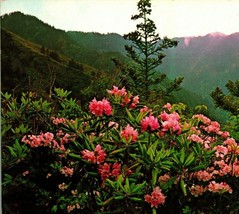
146 51
229 102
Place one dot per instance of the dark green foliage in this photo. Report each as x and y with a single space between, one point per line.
54 56
146 51
25 68
229 102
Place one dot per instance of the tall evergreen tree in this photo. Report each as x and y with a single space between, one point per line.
229 102
146 51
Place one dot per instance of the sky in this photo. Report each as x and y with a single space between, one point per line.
173 18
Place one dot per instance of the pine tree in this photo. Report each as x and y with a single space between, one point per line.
229 102
146 51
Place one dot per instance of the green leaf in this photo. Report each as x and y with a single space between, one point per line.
12 152
201 166
154 176
127 186
120 197
54 209
135 199
183 187
112 184
138 188
117 151
129 115
189 159
182 157
7 179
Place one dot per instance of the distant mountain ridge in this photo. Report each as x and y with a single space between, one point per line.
34 30
205 61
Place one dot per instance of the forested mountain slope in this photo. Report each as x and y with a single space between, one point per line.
32 29
205 62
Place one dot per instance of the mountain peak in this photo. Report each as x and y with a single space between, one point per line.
216 34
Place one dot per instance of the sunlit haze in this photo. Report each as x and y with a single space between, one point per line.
173 18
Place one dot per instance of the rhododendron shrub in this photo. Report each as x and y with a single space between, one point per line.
121 156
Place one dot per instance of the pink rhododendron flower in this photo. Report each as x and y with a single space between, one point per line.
100 154
196 138
168 106
99 108
44 139
96 156
197 190
89 155
135 101
203 175
214 127
156 198
116 170
235 168
219 187
117 92
149 123
67 171
203 118
224 168
57 121
170 122
129 133
224 134
106 170
145 109
232 146
221 151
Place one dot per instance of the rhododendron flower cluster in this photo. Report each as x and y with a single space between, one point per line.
221 151
219 187
67 171
211 126
146 109
232 146
117 92
171 122
97 156
70 207
197 190
235 168
203 175
44 139
129 133
156 198
223 168
58 121
149 123
99 108
48 140
107 169
123 97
